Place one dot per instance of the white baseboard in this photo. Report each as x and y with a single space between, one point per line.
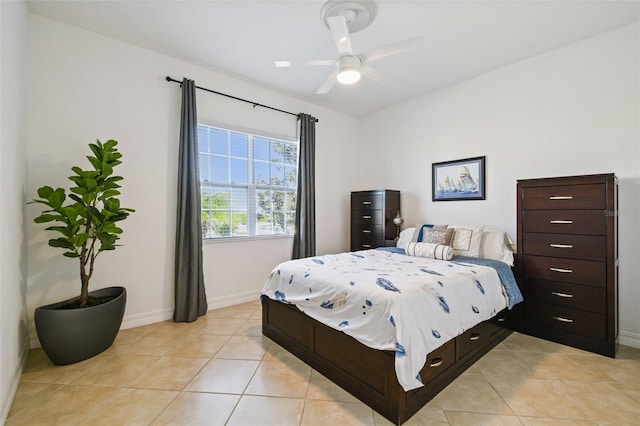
629 338
233 299
145 318
13 379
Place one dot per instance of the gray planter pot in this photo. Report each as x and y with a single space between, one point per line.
72 335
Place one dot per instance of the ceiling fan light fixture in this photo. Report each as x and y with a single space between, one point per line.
348 69
348 75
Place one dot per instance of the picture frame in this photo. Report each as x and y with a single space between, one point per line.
458 180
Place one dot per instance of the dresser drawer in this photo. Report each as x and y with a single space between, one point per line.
367 217
473 338
588 247
359 243
585 272
367 201
568 320
365 231
565 197
584 222
438 361
592 299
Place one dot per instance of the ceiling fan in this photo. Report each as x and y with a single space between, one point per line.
344 17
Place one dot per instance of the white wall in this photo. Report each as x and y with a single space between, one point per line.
571 111
83 86
13 331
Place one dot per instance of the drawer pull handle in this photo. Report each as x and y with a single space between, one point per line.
437 362
502 319
561 319
366 245
366 231
561 245
366 203
564 271
366 217
561 197
561 222
474 337
565 295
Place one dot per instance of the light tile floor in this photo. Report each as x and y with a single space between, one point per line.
220 370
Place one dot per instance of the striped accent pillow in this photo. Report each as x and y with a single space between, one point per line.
430 250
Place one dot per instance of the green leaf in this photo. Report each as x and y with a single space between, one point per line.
71 214
106 238
45 191
80 239
90 184
44 218
94 162
79 190
106 169
109 193
97 151
112 204
64 230
77 199
61 242
110 144
70 254
56 198
95 213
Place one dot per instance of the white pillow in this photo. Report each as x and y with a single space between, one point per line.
496 245
405 237
430 250
466 240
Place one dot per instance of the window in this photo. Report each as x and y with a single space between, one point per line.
248 184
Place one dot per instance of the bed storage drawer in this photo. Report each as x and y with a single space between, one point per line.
588 247
473 339
585 272
584 222
590 196
350 355
438 361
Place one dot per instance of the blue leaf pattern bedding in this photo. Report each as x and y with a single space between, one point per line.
390 301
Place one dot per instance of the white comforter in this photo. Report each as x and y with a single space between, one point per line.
390 301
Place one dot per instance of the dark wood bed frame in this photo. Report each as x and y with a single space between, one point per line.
369 374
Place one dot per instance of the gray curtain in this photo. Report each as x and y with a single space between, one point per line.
190 297
304 240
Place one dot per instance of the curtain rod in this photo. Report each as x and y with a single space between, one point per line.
255 104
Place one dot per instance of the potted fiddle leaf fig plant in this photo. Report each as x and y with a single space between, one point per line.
86 222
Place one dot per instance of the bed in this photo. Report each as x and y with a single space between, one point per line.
390 328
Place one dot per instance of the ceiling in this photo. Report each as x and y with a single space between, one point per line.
462 39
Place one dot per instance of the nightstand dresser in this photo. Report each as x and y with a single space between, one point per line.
568 260
372 214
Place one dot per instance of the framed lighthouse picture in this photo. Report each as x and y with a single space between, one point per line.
458 180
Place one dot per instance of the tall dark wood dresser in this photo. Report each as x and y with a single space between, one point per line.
372 214
568 260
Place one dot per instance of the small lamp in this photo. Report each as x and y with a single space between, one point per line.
398 220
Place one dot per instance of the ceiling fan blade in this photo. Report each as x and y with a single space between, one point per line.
328 84
391 49
318 62
340 33
374 75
